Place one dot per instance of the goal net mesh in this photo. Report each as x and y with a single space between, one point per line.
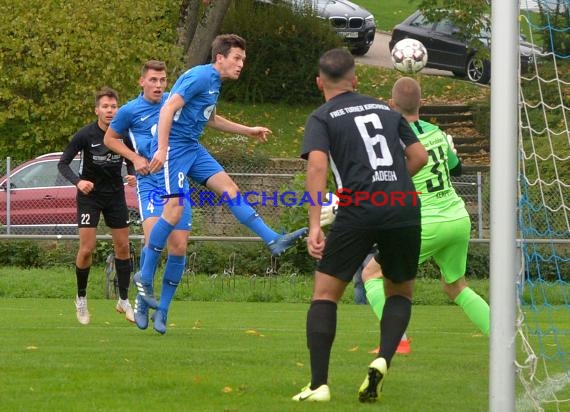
543 323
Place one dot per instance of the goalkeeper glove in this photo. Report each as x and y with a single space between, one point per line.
328 213
450 142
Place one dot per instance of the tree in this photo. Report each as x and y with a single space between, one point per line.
54 55
471 16
200 22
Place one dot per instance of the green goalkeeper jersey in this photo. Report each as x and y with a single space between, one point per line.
440 202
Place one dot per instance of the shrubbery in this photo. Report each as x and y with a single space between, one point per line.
283 48
210 257
57 54
24 254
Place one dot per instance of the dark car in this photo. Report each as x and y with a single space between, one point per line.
42 201
354 23
447 50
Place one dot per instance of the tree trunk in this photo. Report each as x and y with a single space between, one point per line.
198 27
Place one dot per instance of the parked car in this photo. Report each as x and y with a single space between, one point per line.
449 51
42 201
354 23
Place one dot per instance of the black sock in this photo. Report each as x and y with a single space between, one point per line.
123 268
82 275
394 322
321 330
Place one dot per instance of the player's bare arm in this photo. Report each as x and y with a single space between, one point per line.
316 181
113 141
221 123
416 157
174 103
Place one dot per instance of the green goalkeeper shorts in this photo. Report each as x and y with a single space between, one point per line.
447 243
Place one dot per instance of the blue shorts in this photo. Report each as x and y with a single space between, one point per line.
191 161
150 191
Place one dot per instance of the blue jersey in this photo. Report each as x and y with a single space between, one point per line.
200 88
138 120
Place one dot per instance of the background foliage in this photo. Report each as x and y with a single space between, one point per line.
54 55
283 49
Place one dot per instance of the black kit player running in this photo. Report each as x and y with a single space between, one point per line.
373 153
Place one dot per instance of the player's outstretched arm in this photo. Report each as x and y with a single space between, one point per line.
221 123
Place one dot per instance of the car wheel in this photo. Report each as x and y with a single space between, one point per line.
360 51
478 70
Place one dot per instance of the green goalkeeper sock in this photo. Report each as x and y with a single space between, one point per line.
375 295
476 309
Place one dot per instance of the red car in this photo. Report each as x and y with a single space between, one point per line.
42 201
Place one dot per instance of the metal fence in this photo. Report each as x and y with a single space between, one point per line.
36 200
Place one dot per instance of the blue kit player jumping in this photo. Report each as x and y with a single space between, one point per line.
138 119
190 106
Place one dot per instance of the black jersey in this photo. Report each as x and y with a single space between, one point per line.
365 142
98 164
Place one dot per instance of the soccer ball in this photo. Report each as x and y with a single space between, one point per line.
409 56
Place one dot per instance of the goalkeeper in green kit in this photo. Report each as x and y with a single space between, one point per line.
446 226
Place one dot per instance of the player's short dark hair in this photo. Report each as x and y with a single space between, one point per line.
336 63
106 92
157 65
224 42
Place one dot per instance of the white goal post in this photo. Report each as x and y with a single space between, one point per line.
503 218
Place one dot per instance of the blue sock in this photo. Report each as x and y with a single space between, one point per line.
156 242
247 216
172 274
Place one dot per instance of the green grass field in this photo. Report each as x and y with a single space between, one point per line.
238 344
221 356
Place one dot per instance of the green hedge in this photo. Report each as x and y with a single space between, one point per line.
56 54
209 258
283 49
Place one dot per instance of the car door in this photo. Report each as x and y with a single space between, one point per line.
66 193
32 194
422 30
447 47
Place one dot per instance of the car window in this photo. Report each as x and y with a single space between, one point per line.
41 174
62 181
421 21
446 27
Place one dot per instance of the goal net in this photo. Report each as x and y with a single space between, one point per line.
543 324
